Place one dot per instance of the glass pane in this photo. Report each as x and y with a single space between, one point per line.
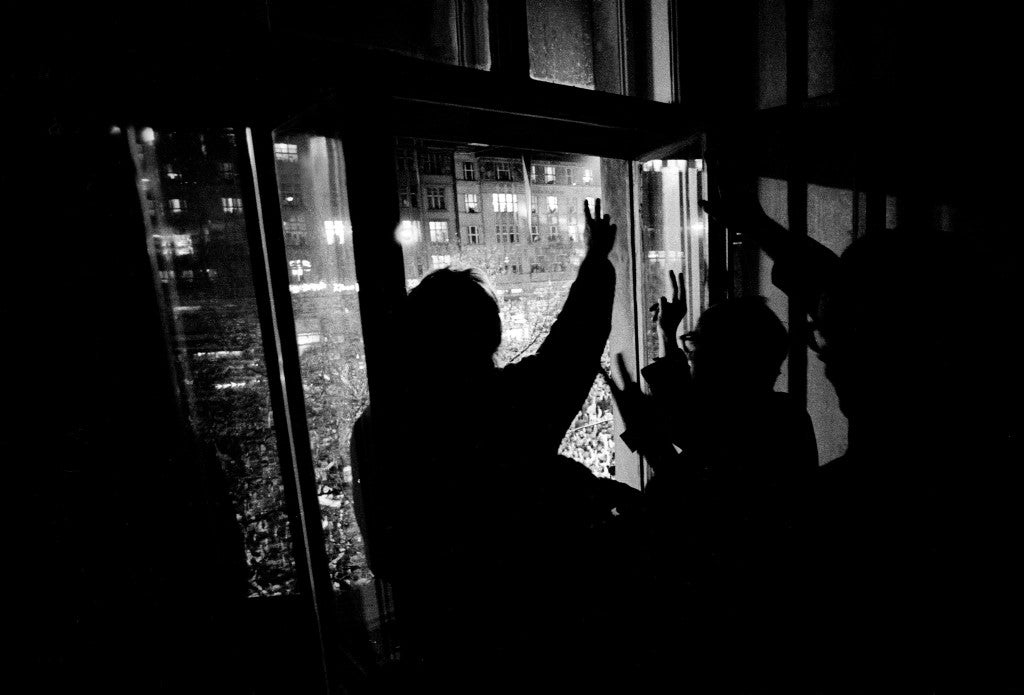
188 181
518 217
674 236
317 230
561 42
445 31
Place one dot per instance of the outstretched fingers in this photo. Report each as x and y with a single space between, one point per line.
675 285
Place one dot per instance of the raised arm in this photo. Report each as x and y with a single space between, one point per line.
581 330
562 372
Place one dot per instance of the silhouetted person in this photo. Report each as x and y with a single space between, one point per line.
502 551
915 520
725 509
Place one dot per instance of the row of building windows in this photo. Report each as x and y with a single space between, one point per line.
439 163
409 232
231 206
500 202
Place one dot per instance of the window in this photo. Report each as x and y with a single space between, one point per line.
569 176
300 268
406 162
435 198
533 173
507 234
588 176
217 362
469 171
408 232
572 231
503 171
285 152
505 202
440 261
537 267
407 197
227 171
552 203
335 231
553 232
438 231
549 175
472 234
231 205
294 224
673 185
435 162
472 202
534 233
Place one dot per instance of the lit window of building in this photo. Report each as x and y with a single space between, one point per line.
335 231
549 174
588 176
553 232
572 230
472 234
435 198
285 152
472 202
533 173
299 268
438 231
569 176
503 171
552 203
407 197
505 202
439 261
534 233
231 205
175 205
469 171
227 171
508 234
171 173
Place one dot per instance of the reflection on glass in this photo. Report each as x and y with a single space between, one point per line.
197 230
325 301
518 217
561 42
674 236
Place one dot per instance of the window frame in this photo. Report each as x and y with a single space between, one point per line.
403 97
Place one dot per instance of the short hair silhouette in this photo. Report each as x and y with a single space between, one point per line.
455 315
742 338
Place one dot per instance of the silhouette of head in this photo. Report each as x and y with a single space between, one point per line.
885 323
454 316
739 344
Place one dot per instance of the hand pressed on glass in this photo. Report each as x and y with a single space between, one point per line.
600 234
